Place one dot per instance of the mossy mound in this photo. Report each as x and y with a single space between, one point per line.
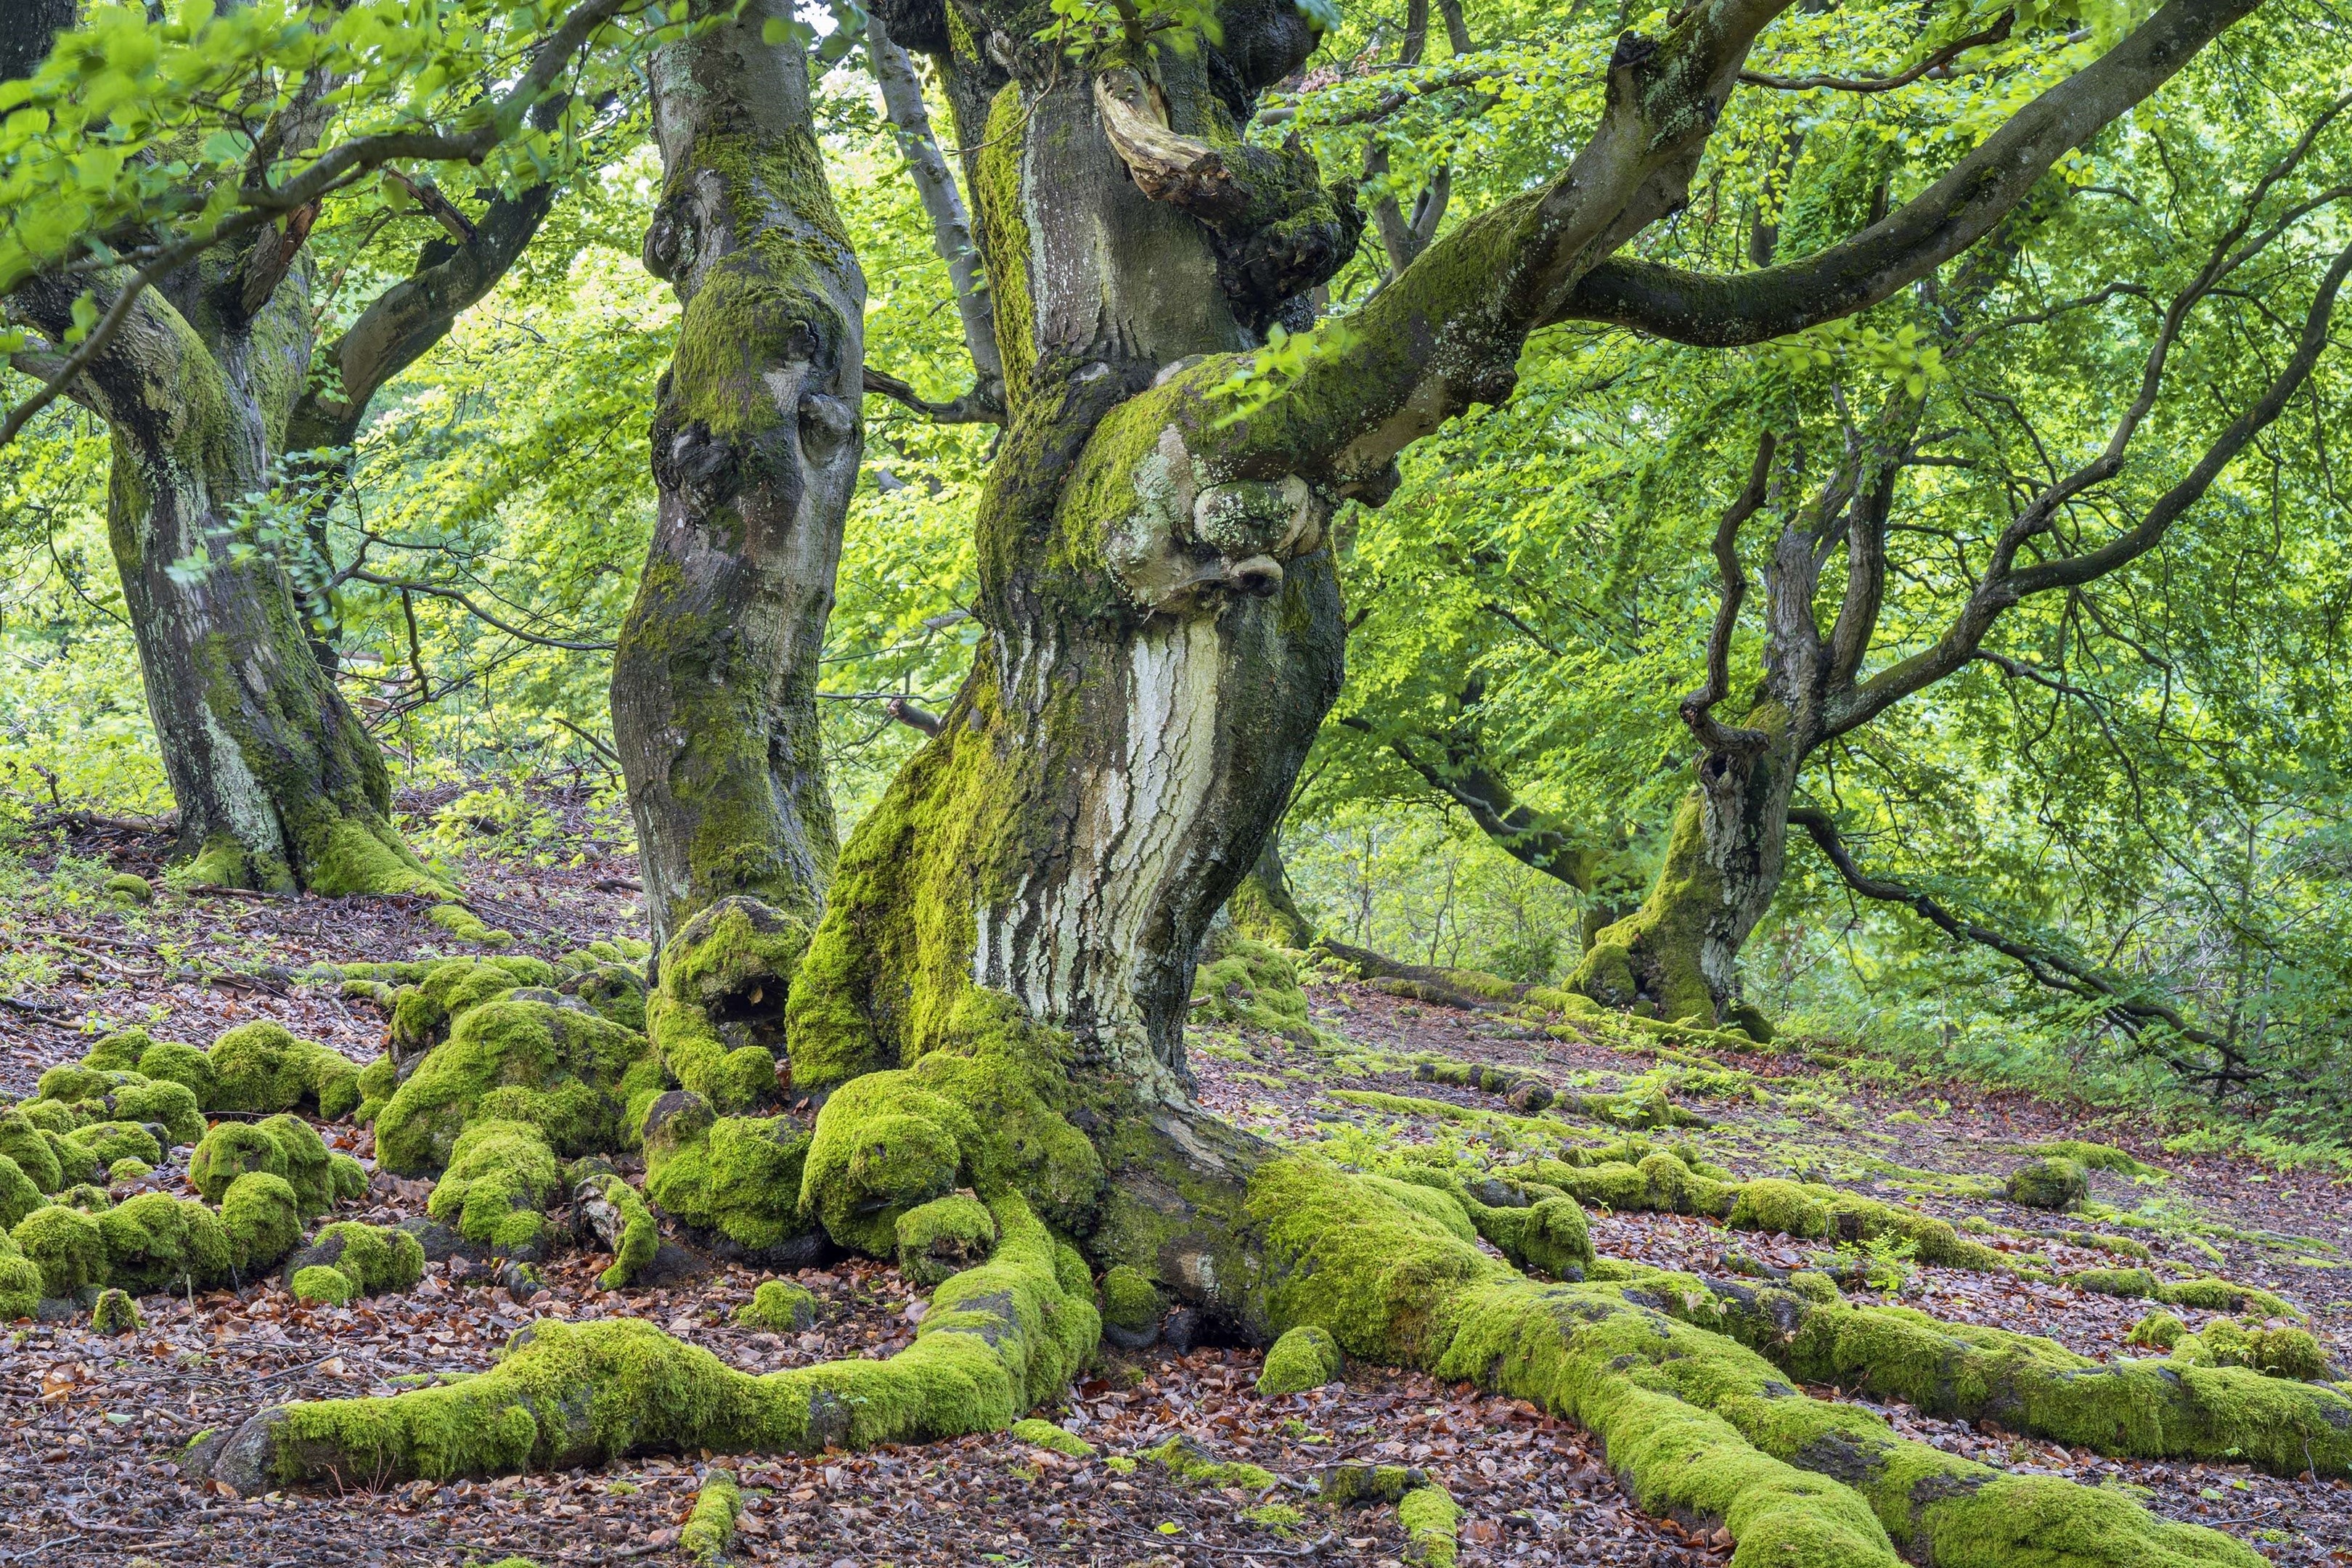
437 993
1303 1358
108 1142
640 1237
779 1307
2132 1284
117 1052
2158 1331
116 1313
2055 1182
709 1529
1130 1302
259 1068
20 1282
25 1143
2287 1352
944 1236
737 1176
321 1285
263 1218
1054 1439
310 1169
162 1103
540 1058
374 1259
716 1016
18 1194
169 1061
1249 983
2211 1295
2096 1157
66 1244
883 1144
229 1152
1432 1522
500 1181
157 1242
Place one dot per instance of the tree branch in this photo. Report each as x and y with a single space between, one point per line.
434 590
1726 311
972 407
1698 707
1942 57
2122 1006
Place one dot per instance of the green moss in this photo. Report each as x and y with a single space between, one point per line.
883 1145
56 1116
166 1103
116 1313
71 1081
320 1285
184 1065
709 1529
377 1082
779 1307
88 1198
500 1181
309 1170
717 1013
2049 1184
466 926
107 1142
23 1142
1303 1358
573 1063
2225 1296
18 1194
1129 1301
998 1340
1046 1435
1249 983
229 1152
1784 1208
263 1219
2156 1330
944 1236
131 889
374 1258
1186 1460
1432 1522
157 1242
640 1236
2287 1352
117 1052
2134 1284
740 1176
66 1244
261 1066
349 1177
20 1284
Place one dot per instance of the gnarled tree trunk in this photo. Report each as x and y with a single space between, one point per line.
756 441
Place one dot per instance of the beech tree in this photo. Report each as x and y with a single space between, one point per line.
986 987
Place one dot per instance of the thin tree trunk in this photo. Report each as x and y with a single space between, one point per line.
756 440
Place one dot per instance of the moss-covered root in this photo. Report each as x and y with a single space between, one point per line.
709 1530
1698 1423
1433 1525
718 1015
2148 1409
999 1338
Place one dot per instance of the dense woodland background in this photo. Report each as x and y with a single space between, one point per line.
2149 776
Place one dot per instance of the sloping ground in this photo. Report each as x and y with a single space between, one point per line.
95 1425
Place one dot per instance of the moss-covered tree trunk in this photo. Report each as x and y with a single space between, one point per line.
278 784
756 441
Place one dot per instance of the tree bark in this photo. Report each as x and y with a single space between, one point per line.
756 441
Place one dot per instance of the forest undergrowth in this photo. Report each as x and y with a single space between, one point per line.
1163 1450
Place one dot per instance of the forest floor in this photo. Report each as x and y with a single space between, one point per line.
92 1427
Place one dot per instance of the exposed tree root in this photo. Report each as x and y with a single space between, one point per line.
999 1338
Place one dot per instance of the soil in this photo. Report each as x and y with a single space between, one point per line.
94 1425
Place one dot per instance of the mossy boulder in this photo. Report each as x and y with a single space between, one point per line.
158 1242
169 1061
376 1259
2158 1330
59 1116
263 1220
66 1244
117 1052
378 1082
737 1176
440 992
125 1171
310 1169
87 1196
944 1236
108 1142
568 1072
2052 1183
320 1286
20 1282
778 1307
23 1142
1054 1439
261 1066
613 990
229 1152
19 1196
718 1015
1250 984
501 1179
2132 1284
1303 1358
2283 1352
349 1176
116 1313
1781 1207
2225 1296
164 1103
1131 1307
883 1144
71 1081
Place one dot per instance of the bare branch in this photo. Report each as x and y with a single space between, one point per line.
435 590
1698 707
974 407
